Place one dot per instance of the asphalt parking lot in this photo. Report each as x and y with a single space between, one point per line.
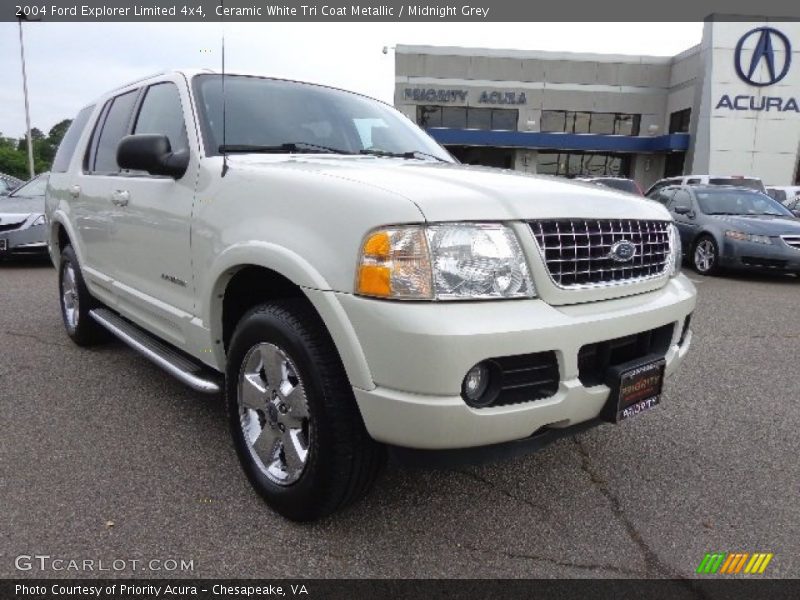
103 456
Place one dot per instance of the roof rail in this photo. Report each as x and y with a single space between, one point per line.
119 87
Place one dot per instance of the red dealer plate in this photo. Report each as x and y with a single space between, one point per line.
634 389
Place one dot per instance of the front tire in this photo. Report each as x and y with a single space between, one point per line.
705 255
76 302
294 421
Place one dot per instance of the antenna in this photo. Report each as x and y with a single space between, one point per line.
224 114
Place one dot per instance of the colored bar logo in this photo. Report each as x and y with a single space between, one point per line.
733 563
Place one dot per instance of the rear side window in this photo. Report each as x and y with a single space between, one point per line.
161 113
70 140
115 126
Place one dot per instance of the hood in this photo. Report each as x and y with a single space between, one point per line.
446 192
760 225
20 206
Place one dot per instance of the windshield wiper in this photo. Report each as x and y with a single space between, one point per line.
289 147
410 154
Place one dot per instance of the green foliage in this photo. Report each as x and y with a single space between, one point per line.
14 152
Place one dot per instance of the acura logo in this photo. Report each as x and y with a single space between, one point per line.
772 50
622 251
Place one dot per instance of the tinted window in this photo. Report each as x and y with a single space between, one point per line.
504 119
70 140
681 200
576 164
429 116
679 121
161 113
479 118
114 128
454 117
589 122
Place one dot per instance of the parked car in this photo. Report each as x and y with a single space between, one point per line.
22 222
616 183
794 206
753 183
733 227
349 286
783 193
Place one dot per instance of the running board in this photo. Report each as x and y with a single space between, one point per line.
187 370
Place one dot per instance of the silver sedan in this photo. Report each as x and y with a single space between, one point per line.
22 223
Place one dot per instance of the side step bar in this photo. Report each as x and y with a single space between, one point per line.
194 374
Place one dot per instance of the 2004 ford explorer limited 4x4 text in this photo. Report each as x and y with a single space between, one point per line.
349 286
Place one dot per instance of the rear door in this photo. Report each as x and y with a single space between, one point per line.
93 213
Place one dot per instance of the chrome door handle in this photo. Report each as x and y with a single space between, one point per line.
120 197
75 191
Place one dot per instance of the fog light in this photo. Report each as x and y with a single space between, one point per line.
478 388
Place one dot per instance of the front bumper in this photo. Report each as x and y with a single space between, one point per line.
777 256
418 354
26 240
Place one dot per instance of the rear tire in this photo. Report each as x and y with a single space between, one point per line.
295 424
76 302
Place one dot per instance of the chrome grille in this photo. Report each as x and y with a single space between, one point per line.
577 252
792 240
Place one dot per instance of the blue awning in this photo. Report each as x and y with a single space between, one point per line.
673 142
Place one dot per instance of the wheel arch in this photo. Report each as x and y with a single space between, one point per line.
242 279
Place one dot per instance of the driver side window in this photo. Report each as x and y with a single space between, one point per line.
161 113
681 200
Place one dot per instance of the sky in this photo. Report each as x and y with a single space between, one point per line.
70 64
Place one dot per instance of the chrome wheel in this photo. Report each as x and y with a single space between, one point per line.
69 296
273 412
705 255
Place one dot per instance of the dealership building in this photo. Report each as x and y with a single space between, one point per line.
728 106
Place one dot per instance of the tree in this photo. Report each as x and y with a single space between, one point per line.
14 152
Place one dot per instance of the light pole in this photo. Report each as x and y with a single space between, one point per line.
25 92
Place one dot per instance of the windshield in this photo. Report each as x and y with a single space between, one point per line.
34 188
739 202
276 115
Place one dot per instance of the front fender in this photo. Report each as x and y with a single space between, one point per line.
300 272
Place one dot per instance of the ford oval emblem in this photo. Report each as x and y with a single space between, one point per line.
622 251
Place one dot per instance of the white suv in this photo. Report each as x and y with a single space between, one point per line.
349 286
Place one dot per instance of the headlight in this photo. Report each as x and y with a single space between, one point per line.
677 250
448 261
748 237
38 221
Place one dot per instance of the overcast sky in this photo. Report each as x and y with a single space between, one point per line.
69 64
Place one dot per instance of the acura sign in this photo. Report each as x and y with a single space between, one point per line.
768 40
767 64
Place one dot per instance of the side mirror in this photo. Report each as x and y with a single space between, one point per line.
151 153
682 210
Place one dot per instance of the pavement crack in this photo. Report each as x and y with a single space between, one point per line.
32 336
504 491
651 559
556 562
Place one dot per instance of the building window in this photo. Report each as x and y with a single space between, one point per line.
569 121
673 165
467 117
679 121
578 164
